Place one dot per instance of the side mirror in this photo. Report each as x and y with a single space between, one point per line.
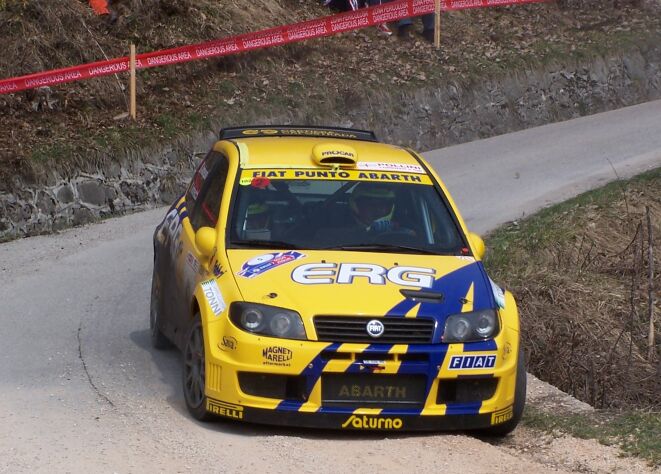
478 244
205 240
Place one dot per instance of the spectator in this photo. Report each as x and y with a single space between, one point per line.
102 7
353 5
406 24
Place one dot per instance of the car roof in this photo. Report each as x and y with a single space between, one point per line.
296 152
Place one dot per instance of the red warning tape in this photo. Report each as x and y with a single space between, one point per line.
280 35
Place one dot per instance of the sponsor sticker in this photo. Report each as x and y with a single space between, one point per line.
203 171
381 392
507 350
334 153
348 175
277 355
346 273
501 416
303 132
213 296
365 422
472 362
263 263
228 343
498 294
224 409
192 262
218 269
260 183
172 227
380 166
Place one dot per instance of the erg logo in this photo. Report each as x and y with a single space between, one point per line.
345 273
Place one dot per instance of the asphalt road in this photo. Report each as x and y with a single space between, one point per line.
507 177
82 391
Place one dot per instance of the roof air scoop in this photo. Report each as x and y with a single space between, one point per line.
334 155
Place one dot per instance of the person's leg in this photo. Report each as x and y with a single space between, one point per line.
404 28
428 22
381 27
428 27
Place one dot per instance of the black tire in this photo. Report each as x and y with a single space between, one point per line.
158 339
194 376
506 428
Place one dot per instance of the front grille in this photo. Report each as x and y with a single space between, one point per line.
373 390
353 329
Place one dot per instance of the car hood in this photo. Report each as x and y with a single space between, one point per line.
361 283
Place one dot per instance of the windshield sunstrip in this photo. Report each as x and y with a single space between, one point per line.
247 175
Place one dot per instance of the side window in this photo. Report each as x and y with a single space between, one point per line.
199 177
203 197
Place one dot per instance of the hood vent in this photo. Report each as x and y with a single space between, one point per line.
334 155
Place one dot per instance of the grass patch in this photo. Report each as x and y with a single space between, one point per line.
579 272
167 124
637 433
550 225
52 154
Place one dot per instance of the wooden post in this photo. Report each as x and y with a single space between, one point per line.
651 348
132 106
437 24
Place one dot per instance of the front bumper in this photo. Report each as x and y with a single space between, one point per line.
362 419
448 370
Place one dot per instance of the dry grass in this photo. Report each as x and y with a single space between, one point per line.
579 271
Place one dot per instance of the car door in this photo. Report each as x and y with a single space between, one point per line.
203 200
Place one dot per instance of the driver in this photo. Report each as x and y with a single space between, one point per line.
257 223
373 206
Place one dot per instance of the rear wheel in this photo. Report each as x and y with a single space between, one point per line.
194 376
158 340
506 428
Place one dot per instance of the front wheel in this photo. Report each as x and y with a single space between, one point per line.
194 376
506 428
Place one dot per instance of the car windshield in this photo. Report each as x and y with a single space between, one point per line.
342 210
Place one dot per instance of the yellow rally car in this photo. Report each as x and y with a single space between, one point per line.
316 277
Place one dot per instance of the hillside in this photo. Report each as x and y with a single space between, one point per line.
581 271
74 125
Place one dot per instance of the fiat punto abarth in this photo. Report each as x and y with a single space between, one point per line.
317 277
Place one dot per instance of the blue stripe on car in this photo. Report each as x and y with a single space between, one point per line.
488 345
472 408
312 373
454 286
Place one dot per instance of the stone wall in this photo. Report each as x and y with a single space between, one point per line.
424 119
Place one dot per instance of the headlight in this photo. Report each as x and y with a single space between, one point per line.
267 320
473 326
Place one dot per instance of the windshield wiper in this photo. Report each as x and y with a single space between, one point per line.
384 248
275 244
